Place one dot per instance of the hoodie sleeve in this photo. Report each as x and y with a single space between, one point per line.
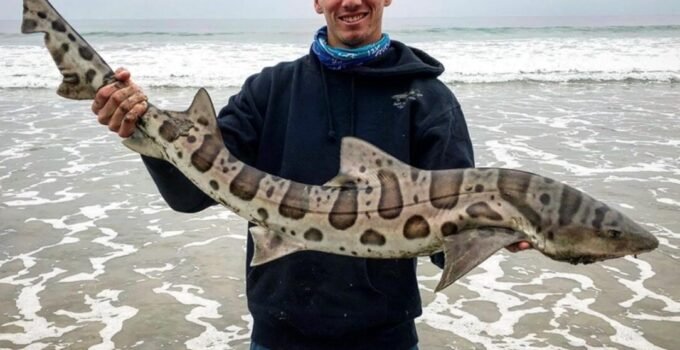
242 119
240 124
442 141
178 191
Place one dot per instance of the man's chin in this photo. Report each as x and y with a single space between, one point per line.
353 41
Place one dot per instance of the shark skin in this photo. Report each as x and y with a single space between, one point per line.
377 206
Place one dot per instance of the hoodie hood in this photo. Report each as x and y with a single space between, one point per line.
400 61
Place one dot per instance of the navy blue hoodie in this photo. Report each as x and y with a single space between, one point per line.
288 120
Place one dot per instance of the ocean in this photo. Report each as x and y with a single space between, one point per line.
92 258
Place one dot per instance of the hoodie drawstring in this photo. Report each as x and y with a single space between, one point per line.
329 112
332 134
352 111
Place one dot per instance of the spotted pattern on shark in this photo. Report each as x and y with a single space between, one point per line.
391 202
372 237
344 213
295 203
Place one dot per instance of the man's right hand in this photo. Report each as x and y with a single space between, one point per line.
120 104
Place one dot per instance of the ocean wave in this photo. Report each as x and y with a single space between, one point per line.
21 81
566 77
228 64
539 31
549 28
235 85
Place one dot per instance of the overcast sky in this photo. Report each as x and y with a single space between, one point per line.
91 9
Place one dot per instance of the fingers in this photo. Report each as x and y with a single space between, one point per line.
120 104
123 78
130 119
122 74
106 113
124 109
103 96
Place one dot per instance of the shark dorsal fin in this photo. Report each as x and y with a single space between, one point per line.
202 110
201 114
358 157
361 160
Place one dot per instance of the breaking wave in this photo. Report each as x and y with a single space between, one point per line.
225 57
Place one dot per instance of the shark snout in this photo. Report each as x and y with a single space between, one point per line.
641 240
646 242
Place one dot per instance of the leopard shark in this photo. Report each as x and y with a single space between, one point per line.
377 206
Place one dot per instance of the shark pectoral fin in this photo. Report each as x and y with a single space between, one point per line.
270 246
143 145
467 249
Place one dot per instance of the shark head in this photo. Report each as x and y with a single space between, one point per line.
601 233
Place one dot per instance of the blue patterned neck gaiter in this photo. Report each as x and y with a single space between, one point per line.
340 59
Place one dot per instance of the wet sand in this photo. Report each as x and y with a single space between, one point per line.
91 257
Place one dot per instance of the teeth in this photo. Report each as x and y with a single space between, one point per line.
352 18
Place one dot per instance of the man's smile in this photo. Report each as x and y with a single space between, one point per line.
353 18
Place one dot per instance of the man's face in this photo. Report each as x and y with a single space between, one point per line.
352 23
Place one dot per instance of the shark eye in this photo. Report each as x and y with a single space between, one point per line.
614 233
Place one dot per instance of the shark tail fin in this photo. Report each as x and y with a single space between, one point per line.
467 249
35 13
269 246
83 70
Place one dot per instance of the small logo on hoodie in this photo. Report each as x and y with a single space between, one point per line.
401 100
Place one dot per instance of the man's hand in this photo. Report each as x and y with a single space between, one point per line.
120 104
519 246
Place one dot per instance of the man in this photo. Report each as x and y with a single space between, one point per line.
288 120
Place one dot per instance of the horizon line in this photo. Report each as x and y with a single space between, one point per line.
386 18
